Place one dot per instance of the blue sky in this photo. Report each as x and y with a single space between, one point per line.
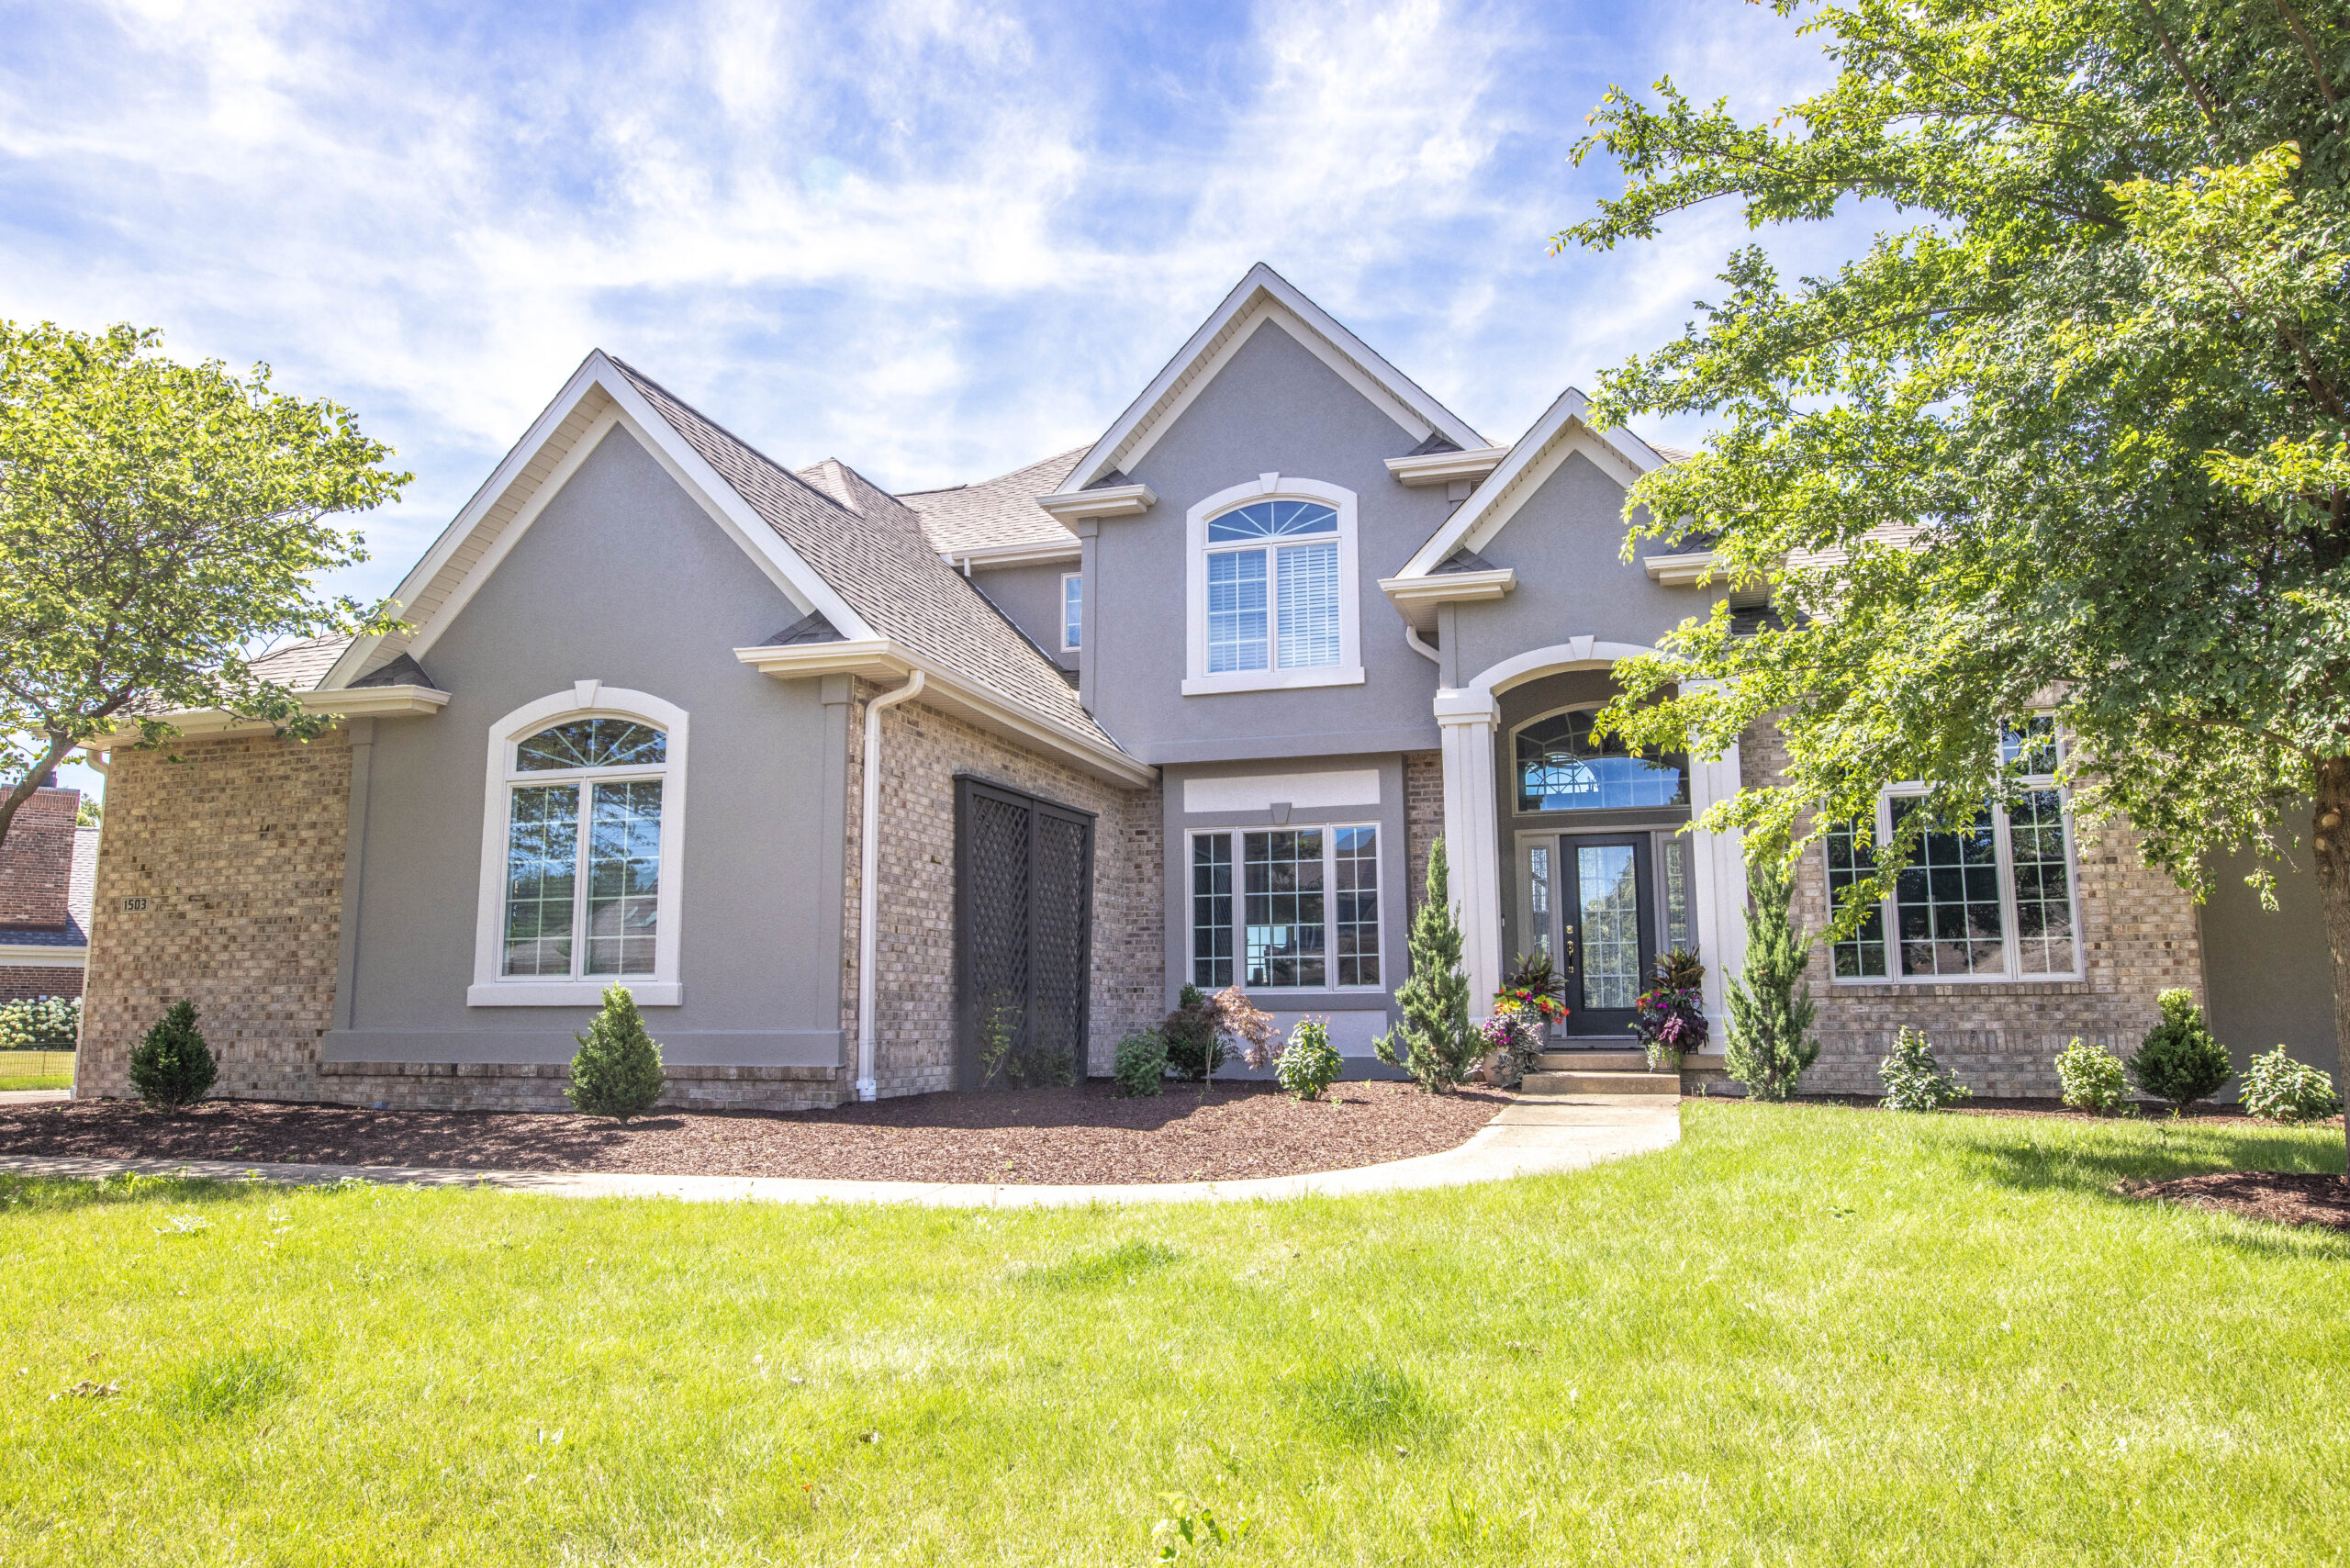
935 239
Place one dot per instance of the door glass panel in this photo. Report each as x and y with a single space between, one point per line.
1538 894
1677 933
1611 925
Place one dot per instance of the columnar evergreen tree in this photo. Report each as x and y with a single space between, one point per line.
2068 434
172 1068
618 1071
1434 1042
1770 1002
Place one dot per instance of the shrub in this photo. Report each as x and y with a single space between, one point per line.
1196 1048
41 1023
1309 1063
1914 1080
1140 1067
2092 1079
2180 1062
1434 1042
172 1067
618 1071
2282 1090
1769 1005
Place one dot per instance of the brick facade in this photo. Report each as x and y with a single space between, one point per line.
37 862
220 881
2001 1038
1423 816
26 982
922 751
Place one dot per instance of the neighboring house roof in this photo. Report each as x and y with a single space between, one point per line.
81 882
1265 298
300 666
998 516
887 576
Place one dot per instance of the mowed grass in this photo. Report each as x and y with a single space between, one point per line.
1807 1335
36 1069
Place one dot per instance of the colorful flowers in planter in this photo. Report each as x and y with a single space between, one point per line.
1513 1037
1670 1016
1534 985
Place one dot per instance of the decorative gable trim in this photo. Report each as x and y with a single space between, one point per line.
1263 297
596 399
1558 434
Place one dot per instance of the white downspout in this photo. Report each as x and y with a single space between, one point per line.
868 889
1412 635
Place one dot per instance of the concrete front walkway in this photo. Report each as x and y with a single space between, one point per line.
1527 1138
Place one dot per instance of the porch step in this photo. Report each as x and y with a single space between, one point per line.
1602 1083
1592 1061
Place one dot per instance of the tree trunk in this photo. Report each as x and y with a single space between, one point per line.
2334 888
60 748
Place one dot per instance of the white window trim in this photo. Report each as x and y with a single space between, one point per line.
1329 831
2011 972
1066 579
1348 671
586 700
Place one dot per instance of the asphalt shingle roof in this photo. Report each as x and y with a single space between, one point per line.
890 576
996 512
300 666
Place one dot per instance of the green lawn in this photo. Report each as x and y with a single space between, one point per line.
1806 1334
36 1069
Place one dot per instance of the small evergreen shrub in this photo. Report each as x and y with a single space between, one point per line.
1309 1063
1770 1003
1435 1042
2092 1079
1140 1066
1195 1047
41 1023
1914 1080
2180 1062
2279 1088
618 1071
172 1067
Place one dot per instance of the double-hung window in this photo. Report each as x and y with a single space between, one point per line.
579 879
1292 909
1272 597
1993 899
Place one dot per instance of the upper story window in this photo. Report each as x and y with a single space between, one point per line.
1072 611
580 847
1272 599
1994 899
1562 769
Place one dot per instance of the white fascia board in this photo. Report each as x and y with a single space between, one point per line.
1443 467
1506 488
353 702
1036 554
42 956
1689 569
1133 428
877 658
1415 599
1069 507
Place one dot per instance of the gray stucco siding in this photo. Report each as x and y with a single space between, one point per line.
1031 597
1273 407
2267 975
621 578
1355 1012
1565 543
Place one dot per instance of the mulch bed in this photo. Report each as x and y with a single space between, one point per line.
2288 1197
1089 1134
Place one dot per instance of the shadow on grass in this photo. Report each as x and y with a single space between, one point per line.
65 1194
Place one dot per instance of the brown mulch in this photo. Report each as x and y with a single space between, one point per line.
2288 1197
1058 1136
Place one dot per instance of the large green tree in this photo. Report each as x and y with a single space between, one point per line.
2069 434
158 523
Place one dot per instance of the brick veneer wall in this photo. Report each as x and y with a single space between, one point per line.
24 982
238 854
921 752
37 861
1423 815
2138 938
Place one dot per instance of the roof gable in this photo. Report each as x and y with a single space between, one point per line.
1263 299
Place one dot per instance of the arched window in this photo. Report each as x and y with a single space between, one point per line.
579 863
1562 769
1273 599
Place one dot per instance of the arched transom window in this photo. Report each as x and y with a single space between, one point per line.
581 888
1562 769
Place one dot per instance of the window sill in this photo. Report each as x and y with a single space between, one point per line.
1272 679
571 994
1953 985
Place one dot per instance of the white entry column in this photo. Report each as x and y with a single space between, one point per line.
1467 719
1719 860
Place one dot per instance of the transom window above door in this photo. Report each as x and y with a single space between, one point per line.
1273 600
1561 767
580 850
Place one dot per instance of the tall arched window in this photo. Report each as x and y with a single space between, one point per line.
1272 595
580 849
1562 769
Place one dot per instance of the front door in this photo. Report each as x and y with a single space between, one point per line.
1607 941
